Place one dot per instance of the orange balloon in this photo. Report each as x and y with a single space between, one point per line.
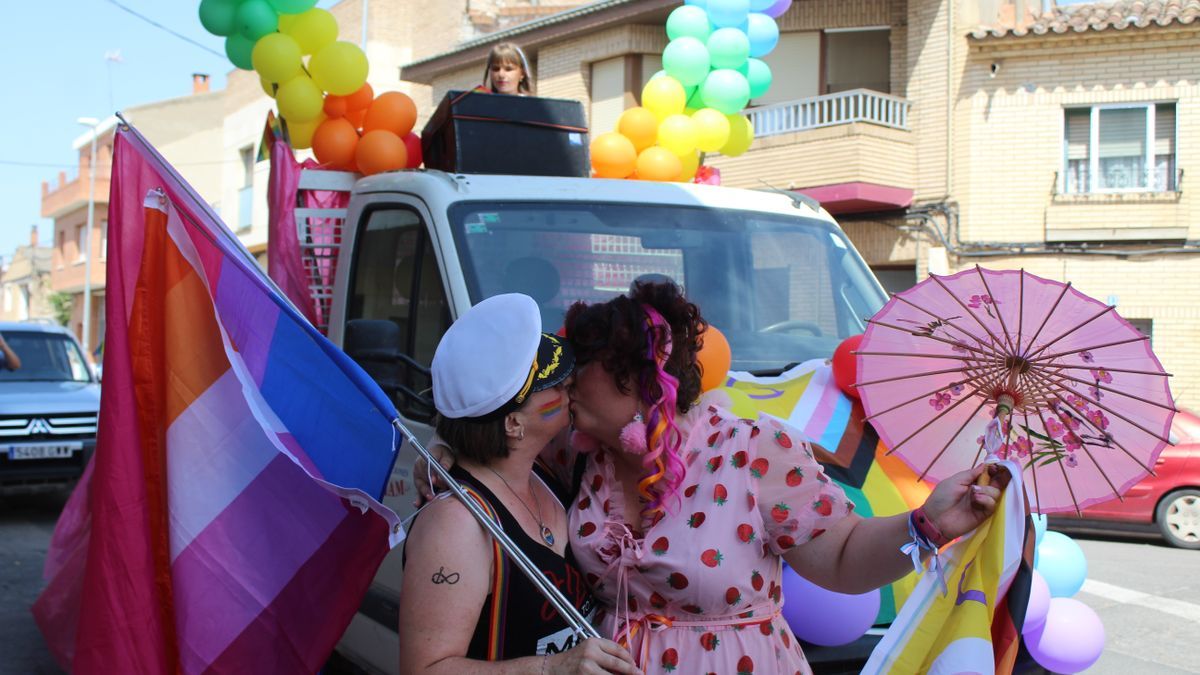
714 358
659 164
335 106
355 117
379 151
361 99
640 126
613 155
334 143
391 111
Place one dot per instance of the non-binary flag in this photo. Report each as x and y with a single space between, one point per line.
975 626
232 503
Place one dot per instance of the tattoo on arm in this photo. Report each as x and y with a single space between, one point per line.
440 577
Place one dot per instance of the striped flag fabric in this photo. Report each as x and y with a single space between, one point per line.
233 501
975 626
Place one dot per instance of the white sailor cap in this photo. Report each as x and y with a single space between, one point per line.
494 356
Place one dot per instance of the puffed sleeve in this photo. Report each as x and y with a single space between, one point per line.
796 499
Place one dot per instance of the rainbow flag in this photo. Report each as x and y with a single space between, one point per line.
234 521
848 448
973 628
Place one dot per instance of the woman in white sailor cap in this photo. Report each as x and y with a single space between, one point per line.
499 387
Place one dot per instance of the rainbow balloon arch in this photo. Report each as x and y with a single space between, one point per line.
318 82
712 68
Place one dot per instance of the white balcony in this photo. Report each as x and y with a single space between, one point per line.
846 107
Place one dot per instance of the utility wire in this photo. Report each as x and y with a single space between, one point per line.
158 25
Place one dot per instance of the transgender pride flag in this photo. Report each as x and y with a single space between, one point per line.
232 504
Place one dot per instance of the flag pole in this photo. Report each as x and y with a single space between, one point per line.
569 612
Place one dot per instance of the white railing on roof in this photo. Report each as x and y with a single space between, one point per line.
855 105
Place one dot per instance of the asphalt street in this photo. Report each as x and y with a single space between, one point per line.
1147 594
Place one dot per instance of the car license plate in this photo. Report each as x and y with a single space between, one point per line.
19 452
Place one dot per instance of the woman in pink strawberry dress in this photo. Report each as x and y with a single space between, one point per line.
685 512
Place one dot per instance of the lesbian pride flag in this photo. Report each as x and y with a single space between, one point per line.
231 516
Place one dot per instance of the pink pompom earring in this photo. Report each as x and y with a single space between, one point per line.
633 436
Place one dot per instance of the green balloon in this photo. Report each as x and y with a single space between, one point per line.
292 6
686 60
728 48
726 90
758 74
688 21
219 17
239 48
256 19
695 100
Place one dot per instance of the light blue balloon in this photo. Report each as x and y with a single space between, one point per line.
763 34
1062 564
728 13
726 90
1039 526
696 3
686 60
761 5
728 48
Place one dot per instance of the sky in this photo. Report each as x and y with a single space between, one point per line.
54 70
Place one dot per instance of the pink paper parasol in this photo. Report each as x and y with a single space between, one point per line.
1078 397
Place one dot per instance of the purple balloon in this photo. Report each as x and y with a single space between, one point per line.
824 617
776 10
1039 604
1070 640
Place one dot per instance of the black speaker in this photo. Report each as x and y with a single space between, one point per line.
480 132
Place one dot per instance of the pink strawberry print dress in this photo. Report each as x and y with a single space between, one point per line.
700 591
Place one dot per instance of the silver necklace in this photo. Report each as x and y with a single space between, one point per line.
547 534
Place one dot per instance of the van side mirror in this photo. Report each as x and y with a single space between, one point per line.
374 344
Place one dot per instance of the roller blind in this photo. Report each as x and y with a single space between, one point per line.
1164 129
1123 132
1078 132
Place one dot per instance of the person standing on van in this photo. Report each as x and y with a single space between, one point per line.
499 385
507 71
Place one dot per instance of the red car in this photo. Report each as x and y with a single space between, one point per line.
1168 500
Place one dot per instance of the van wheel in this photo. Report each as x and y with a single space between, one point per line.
1178 518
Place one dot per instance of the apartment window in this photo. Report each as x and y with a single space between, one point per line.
80 243
1119 148
104 239
247 157
1144 326
60 242
858 58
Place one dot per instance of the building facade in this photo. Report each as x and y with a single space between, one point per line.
947 133
25 282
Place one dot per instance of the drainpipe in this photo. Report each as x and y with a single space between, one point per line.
950 4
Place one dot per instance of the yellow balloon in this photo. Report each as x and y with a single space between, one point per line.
301 133
276 57
267 87
741 134
712 129
664 96
339 68
677 133
691 162
313 30
300 100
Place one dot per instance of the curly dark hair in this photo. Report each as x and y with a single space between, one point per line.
614 333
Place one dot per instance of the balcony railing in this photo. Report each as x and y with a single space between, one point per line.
856 105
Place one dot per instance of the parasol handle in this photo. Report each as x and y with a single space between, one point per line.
1004 406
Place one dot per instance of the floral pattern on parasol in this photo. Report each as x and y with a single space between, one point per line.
1072 392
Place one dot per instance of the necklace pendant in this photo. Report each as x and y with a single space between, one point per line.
547 536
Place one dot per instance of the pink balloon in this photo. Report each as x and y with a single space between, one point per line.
1039 604
1070 640
776 10
824 617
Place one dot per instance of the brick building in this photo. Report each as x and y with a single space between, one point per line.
25 282
946 133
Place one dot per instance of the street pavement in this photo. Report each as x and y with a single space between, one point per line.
1147 595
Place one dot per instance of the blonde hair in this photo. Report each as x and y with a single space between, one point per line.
507 52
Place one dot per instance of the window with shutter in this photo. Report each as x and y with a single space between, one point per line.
1119 148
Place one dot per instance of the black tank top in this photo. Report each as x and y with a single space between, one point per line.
517 620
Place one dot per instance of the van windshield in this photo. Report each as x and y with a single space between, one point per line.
783 289
45 357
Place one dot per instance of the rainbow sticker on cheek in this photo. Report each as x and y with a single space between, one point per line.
551 409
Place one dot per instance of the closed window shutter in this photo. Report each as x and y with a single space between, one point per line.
1078 123
1122 132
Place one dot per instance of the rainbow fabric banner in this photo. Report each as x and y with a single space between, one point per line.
974 627
849 449
234 521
